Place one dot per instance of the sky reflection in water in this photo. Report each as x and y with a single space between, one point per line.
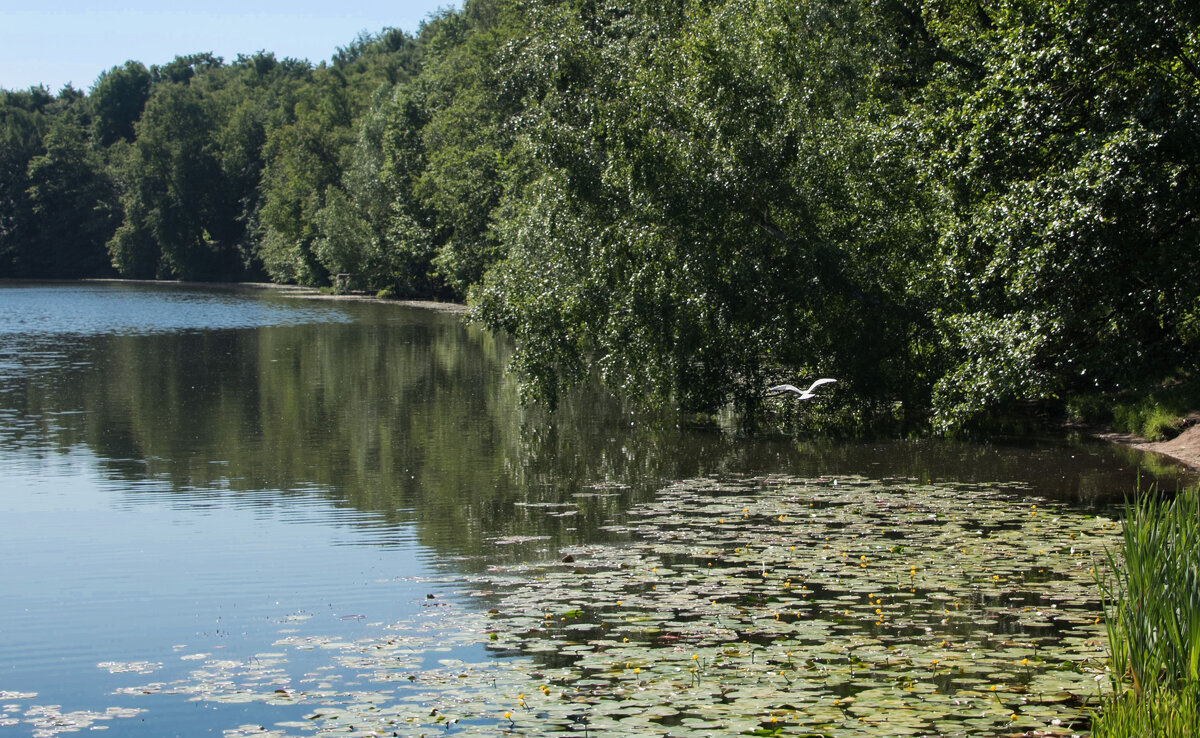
193 471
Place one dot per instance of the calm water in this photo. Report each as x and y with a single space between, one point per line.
201 471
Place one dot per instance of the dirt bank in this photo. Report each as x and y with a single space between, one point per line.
311 293
1185 447
314 294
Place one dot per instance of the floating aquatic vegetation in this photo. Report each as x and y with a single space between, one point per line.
50 720
819 607
130 667
510 540
761 606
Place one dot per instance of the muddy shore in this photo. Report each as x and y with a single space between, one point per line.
311 293
1185 447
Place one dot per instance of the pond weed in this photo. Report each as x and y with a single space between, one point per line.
743 606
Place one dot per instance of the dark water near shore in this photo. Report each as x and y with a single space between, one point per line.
206 471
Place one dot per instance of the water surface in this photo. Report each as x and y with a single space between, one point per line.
196 474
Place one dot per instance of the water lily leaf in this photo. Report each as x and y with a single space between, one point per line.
861 607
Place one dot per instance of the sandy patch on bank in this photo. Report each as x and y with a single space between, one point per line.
1185 447
310 293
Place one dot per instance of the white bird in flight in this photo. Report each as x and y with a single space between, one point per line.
804 394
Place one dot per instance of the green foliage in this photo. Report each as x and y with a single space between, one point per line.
1069 229
118 98
182 69
1156 415
304 157
73 203
57 203
173 183
702 235
1167 715
22 125
1148 420
1153 618
955 208
466 145
319 168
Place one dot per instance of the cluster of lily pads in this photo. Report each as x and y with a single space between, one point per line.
827 606
765 606
51 720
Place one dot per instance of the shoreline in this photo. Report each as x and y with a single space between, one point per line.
1183 448
294 290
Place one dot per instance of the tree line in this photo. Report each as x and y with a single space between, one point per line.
956 207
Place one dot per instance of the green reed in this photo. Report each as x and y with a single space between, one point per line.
1152 606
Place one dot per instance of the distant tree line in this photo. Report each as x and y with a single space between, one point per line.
953 206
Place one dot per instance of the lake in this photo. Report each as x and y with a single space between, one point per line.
244 512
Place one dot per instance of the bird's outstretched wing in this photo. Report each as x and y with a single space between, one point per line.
780 388
804 394
818 383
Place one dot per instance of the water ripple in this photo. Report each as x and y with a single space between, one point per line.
94 309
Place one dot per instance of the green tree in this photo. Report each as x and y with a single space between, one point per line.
182 69
721 208
24 117
73 203
954 207
468 136
172 184
304 157
117 99
249 98
325 207
1070 175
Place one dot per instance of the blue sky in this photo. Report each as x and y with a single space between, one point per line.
53 42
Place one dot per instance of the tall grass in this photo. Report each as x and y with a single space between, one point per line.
1156 415
1152 606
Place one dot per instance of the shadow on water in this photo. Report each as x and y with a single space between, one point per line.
409 415
356 430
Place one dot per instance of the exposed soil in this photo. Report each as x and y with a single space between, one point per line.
1185 447
311 293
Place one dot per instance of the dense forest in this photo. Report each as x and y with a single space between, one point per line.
956 207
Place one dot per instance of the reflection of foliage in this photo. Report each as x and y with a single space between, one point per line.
403 414
371 412
961 210
407 414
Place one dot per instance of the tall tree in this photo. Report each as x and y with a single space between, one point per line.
73 203
172 184
117 99
23 122
304 157
1071 173
714 214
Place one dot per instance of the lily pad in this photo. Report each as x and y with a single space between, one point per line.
737 605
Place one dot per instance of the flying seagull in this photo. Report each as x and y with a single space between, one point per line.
804 394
